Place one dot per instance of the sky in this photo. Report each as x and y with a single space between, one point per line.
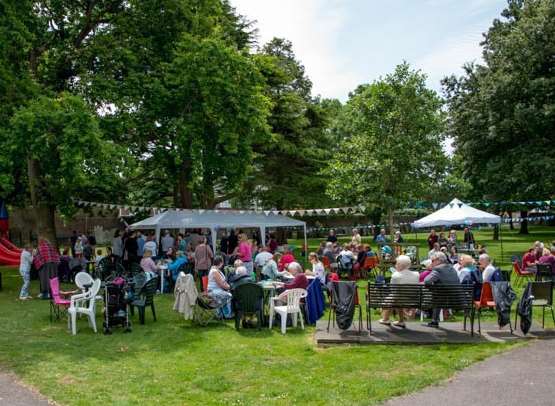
344 43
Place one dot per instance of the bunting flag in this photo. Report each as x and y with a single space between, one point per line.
349 210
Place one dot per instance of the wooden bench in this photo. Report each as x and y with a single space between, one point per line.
422 297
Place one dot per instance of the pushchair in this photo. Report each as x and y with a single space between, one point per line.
115 306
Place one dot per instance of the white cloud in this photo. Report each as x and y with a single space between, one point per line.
313 28
450 55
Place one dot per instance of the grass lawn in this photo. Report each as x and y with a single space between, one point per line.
172 362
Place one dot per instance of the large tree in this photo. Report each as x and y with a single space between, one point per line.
391 149
288 164
502 112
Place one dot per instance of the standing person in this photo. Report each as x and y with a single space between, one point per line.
140 243
272 244
381 238
469 238
332 237
117 245
432 239
245 252
131 248
203 259
232 242
73 240
357 239
46 261
442 273
151 245
224 243
167 242
26 260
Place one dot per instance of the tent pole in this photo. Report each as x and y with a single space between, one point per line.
263 235
305 243
157 240
501 239
213 239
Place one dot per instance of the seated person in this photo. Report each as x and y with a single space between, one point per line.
442 273
270 270
488 270
529 260
285 260
148 265
218 288
174 266
262 257
427 264
317 268
240 277
467 267
549 258
362 254
402 276
99 257
345 260
299 278
329 253
436 248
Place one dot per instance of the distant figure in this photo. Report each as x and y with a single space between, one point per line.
46 261
432 239
469 238
26 260
117 244
73 240
381 238
332 237
151 245
140 243
398 238
357 239
167 242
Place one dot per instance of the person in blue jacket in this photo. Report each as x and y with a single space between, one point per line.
180 260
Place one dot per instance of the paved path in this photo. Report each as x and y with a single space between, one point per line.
13 393
523 376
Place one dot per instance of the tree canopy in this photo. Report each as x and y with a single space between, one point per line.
390 150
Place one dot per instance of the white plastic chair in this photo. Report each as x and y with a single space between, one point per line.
84 303
84 280
293 307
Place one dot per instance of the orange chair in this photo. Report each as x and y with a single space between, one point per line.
326 262
369 264
521 273
486 302
205 283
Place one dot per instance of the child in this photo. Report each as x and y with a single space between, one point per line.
99 257
25 271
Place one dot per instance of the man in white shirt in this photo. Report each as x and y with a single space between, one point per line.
262 257
486 267
167 242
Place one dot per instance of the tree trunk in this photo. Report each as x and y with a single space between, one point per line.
390 222
524 222
185 193
44 213
511 225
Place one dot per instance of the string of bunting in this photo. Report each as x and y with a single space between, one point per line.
303 212
505 220
295 212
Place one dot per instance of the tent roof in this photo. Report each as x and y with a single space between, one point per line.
455 213
214 219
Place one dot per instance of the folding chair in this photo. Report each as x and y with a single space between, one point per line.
542 296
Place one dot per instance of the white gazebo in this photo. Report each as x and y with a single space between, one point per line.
456 213
215 220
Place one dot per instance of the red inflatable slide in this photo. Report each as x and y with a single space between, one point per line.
9 256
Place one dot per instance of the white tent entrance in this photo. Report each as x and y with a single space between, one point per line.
214 220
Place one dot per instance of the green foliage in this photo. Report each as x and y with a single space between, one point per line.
63 137
502 113
391 150
288 164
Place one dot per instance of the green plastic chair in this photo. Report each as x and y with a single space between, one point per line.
144 298
248 299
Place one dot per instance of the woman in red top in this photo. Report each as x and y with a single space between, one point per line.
285 260
244 252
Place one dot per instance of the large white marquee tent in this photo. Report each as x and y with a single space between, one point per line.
215 220
456 213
